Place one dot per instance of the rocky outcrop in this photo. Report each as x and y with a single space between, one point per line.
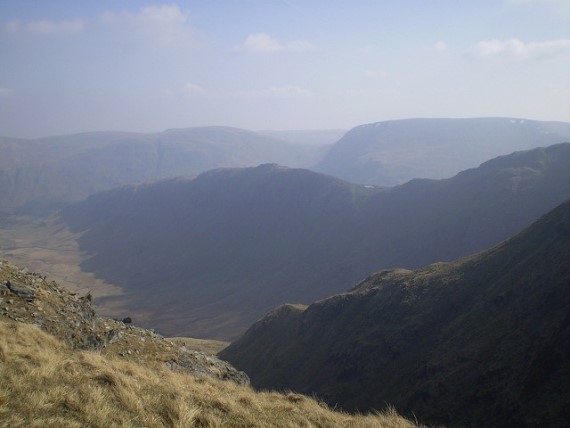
30 298
25 292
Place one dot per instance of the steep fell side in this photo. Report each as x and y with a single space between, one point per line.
478 342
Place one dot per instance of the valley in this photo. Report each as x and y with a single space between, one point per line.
41 244
226 260
285 214
206 257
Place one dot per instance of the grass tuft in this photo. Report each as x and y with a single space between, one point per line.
44 383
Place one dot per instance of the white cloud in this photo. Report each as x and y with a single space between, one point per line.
191 89
261 43
156 26
265 44
517 49
44 27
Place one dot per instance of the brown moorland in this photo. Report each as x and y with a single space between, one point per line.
61 365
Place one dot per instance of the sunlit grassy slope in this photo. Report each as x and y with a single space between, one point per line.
43 383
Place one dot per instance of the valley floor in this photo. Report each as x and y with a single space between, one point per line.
40 244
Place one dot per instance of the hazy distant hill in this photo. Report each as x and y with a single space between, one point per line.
207 257
393 152
48 172
317 137
483 341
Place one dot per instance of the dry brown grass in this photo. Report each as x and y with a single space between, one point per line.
205 345
45 384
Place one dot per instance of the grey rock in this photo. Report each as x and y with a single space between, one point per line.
200 364
113 336
26 292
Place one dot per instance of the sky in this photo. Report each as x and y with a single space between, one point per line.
70 66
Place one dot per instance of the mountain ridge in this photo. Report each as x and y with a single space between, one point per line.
479 341
396 151
237 242
48 173
45 174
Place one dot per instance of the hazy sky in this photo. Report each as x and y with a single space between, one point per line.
72 66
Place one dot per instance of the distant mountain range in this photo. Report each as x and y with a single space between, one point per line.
393 152
483 341
47 173
208 256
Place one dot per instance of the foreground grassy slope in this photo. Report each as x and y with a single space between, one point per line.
483 341
43 383
30 298
63 365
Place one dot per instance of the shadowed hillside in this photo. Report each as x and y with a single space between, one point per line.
483 341
49 172
207 257
228 244
393 152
